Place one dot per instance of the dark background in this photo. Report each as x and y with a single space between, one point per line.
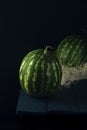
25 26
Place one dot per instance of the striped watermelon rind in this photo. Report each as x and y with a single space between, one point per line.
40 73
72 50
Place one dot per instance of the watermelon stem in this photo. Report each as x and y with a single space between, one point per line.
71 75
48 48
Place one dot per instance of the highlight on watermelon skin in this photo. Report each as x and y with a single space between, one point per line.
72 50
40 72
72 54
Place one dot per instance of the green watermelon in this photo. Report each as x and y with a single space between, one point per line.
40 73
72 50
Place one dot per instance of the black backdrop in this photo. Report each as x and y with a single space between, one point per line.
25 26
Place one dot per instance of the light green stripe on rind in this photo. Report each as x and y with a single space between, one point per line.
36 69
29 55
79 54
57 76
27 75
69 49
33 86
44 88
74 56
82 59
24 67
35 73
54 78
55 72
59 70
63 47
36 85
79 57
48 77
43 63
74 51
38 75
24 71
23 63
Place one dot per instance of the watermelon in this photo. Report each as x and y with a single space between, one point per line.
72 50
72 55
40 73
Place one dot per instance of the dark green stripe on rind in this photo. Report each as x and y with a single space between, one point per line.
30 78
83 55
25 67
28 56
50 78
63 47
69 56
56 77
59 70
79 54
22 67
75 55
40 81
43 69
78 58
44 81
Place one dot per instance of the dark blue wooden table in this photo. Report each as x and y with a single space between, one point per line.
72 99
67 101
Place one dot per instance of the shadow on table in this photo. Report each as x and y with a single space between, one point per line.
73 99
